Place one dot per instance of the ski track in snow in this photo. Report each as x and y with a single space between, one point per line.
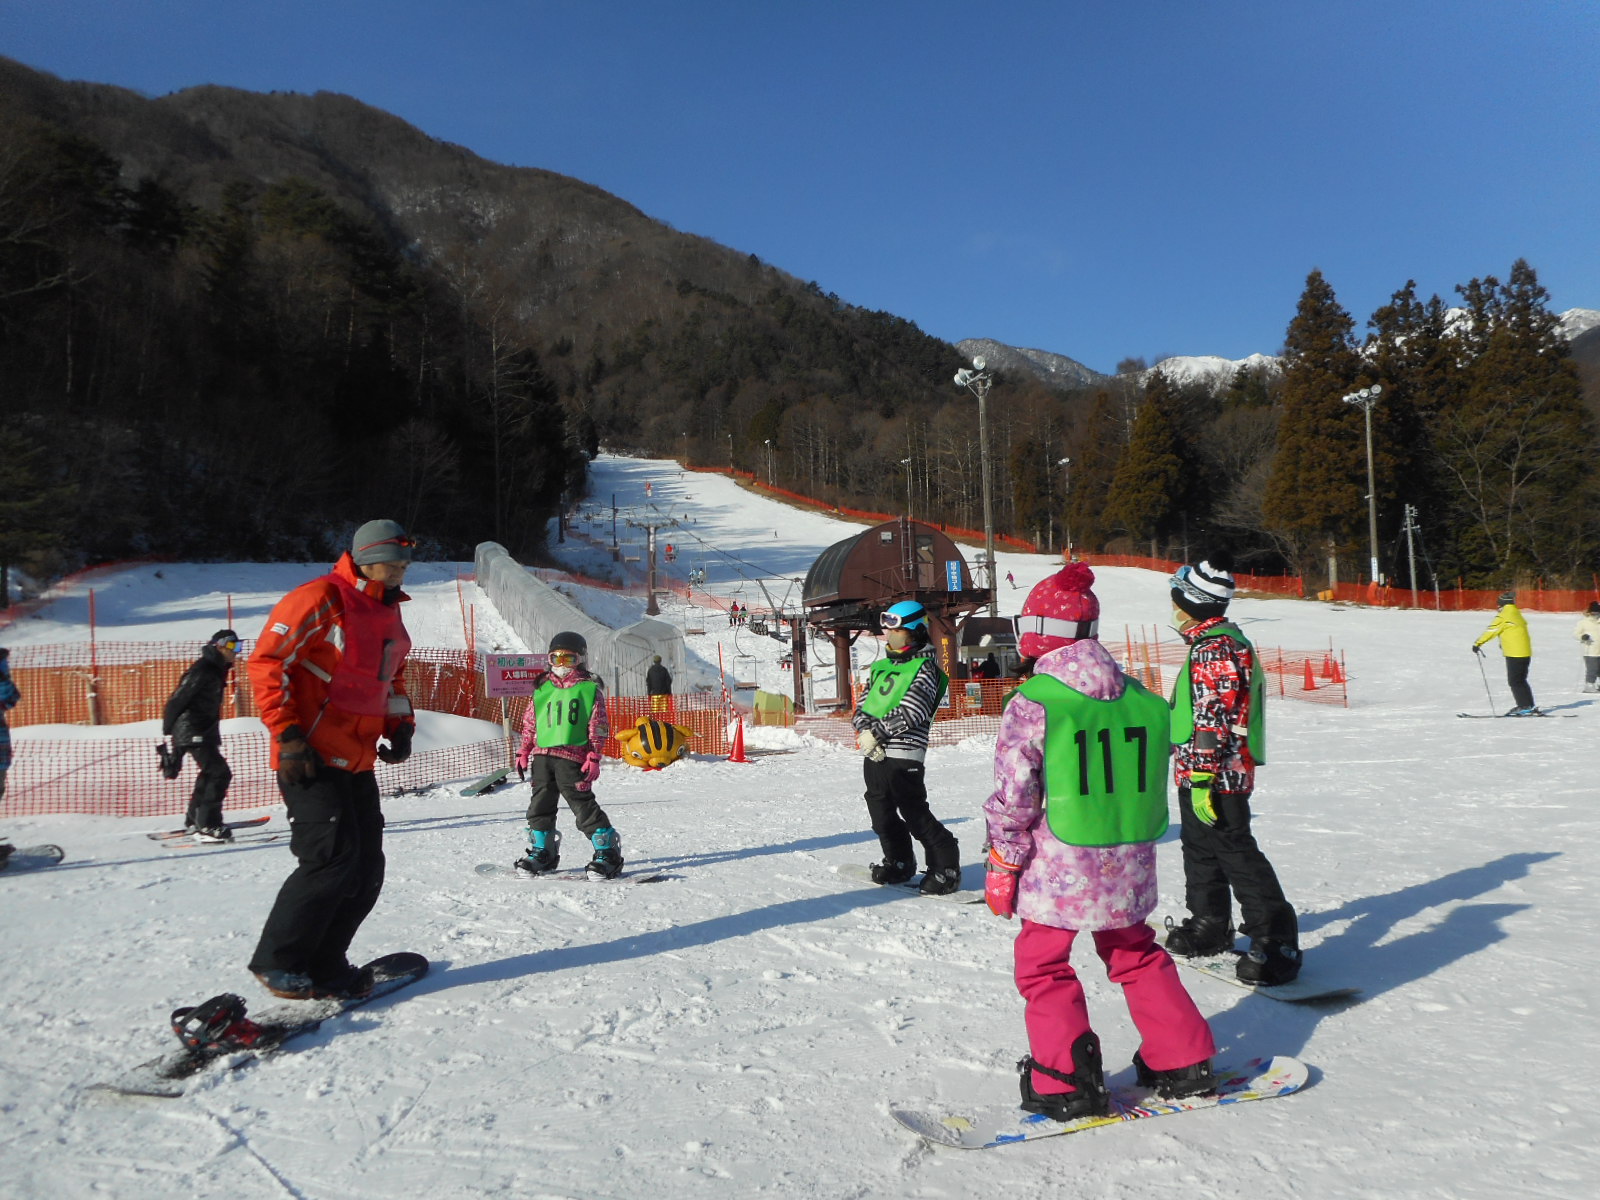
741 1029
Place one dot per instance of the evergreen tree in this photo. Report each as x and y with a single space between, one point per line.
1143 499
1094 463
1314 501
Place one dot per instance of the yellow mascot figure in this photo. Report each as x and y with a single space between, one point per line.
653 744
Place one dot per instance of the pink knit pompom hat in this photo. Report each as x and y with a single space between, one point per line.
1059 611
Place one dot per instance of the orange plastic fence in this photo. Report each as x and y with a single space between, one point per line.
1534 599
123 682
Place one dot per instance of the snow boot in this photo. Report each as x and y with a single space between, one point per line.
944 871
287 985
892 872
607 861
352 983
1090 1097
217 1026
1269 963
1193 1080
212 834
544 852
1199 937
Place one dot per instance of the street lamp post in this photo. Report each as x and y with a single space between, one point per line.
906 463
1366 398
1066 514
976 381
768 444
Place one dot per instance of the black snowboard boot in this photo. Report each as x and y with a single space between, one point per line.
352 983
1194 1080
607 861
1199 937
892 872
1269 963
544 852
1090 1099
944 871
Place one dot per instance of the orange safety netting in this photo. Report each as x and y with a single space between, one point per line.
116 683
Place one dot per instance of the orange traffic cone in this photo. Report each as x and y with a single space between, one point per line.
1311 679
736 754
1338 672
1327 666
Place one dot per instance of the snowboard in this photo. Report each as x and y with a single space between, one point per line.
1309 988
31 858
565 876
247 838
487 784
166 1075
981 1126
165 835
970 892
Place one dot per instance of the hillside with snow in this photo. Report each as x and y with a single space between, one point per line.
741 1028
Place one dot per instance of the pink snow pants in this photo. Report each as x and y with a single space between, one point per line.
1173 1032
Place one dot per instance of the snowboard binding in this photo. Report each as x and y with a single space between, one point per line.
217 1026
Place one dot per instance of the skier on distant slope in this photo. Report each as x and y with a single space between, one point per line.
1588 635
1073 847
1516 647
562 734
891 724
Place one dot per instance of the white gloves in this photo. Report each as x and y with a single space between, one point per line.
867 743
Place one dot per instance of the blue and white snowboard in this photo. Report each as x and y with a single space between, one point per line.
981 1126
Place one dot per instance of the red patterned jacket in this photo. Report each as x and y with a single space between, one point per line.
1219 680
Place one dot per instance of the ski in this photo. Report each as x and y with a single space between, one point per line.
979 1127
1505 716
970 892
567 876
164 835
165 1076
31 858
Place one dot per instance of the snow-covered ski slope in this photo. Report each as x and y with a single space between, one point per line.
742 1028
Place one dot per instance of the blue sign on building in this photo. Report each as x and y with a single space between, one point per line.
952 576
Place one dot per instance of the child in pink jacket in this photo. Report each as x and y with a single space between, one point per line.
1079 854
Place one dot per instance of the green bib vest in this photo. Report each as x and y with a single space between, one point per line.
1183 697
889 683
562 714
1105 763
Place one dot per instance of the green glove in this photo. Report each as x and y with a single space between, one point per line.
1200 797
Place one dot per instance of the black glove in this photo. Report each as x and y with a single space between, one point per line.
399 743
297 761
1477 649
171 762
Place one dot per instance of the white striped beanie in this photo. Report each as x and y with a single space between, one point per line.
1202 590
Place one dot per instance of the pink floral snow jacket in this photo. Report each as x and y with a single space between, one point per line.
1070 887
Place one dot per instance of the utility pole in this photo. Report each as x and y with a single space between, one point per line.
651 609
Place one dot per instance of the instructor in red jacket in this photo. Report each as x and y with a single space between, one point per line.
327 673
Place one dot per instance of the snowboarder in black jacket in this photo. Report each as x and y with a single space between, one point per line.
658 686
192 719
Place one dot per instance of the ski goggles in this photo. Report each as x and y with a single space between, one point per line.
1055 627
563 658
894 620
227 644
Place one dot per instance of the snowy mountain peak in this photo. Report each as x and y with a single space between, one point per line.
1052 368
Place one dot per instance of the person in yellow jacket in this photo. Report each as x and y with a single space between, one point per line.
1511 627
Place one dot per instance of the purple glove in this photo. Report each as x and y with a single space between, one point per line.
591 771
1000 886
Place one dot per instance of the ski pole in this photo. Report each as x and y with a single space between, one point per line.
1478 654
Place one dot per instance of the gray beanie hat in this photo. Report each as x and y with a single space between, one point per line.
380 542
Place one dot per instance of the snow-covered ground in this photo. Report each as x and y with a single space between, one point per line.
740 1029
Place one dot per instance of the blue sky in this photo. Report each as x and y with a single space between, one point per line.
1100 179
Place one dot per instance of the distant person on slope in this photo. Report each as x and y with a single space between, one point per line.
892 724
563 732
1516 647
328 677
658 686
1588 635
1073 848
193 720
1218 738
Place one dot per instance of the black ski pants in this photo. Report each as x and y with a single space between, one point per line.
336 835
897 802
1223 858
205 803
1517 680
553 779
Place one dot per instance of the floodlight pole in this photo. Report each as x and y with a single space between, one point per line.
1066 512
977 382
1366 398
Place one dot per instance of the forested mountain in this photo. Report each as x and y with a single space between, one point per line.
235 324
